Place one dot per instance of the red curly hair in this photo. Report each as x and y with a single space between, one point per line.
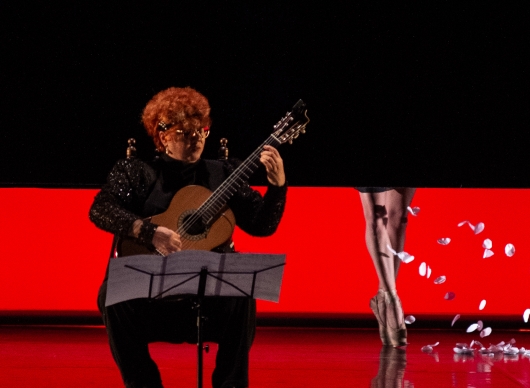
179 108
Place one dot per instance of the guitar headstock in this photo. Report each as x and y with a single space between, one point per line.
292 124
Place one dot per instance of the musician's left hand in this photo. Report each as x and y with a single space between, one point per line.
273 162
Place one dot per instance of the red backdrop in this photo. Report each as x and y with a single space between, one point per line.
52 258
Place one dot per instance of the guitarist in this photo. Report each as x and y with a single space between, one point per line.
178 121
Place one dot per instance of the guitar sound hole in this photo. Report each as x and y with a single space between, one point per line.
195 227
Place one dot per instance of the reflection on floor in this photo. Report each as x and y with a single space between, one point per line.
68 356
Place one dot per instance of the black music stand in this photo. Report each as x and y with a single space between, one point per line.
256 276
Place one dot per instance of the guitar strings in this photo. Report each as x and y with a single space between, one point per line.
236 175
230 183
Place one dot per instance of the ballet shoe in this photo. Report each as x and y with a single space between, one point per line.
395 321
378 307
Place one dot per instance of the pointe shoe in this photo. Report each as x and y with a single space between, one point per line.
395 321
378 306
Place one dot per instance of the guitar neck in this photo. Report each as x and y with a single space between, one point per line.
211 207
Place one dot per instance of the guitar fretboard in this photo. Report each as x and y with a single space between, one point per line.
213 205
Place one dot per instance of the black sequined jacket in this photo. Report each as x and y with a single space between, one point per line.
136 189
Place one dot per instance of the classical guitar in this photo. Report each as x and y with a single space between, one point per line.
202 218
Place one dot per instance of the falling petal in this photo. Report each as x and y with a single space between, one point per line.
450 296
480 325
512 341
472 328
487 253
456 318
526 315
479 344
439 280
426 349
487 244
405 257
423 269
413 210
479 228
482 304
466 222
485 332
509 249
444 241
429 271
472 343
410 319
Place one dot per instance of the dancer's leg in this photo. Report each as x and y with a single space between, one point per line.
397 201
377 239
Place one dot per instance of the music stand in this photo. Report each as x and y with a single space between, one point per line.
256 276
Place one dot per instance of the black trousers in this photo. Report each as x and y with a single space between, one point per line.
132 325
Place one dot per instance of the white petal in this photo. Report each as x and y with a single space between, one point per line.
463 223
526 315
444 241
405 257
449 296
480 325
509 249
410 319
472 328
426 349
436 344
456 318
391 250
482 304
487 253
479 228
429 271
423 269
487 244
413 210
485 332
439 280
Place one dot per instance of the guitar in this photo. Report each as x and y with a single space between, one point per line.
202 218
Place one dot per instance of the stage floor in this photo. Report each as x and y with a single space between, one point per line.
78 356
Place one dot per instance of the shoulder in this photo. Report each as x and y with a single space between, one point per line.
135 171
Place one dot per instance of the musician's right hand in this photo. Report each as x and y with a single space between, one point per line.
166 241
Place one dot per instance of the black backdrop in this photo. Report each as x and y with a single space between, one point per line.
426 95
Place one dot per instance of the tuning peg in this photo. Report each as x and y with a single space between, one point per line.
302 130
290 141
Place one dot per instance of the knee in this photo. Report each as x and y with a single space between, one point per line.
398 219
376 218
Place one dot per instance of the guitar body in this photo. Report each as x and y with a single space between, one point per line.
183 205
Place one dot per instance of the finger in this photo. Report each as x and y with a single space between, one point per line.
271 149
269 166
